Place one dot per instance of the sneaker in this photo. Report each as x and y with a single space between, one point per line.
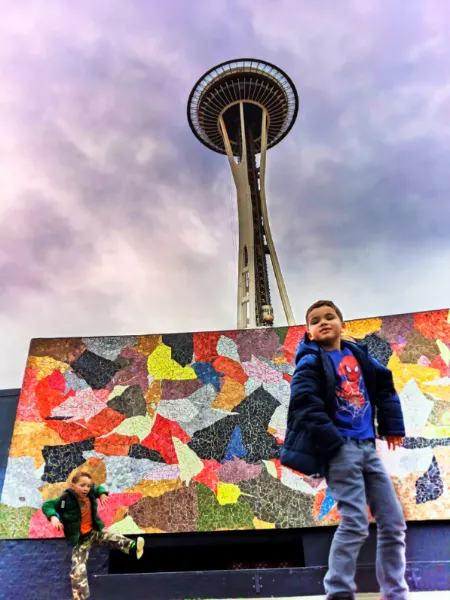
342 596
140 543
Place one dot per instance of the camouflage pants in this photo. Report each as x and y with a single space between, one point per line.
80 554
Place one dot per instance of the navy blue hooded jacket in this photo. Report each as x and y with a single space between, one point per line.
312 437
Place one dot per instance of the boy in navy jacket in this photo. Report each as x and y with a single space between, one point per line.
337 392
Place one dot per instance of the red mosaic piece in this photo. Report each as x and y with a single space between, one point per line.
47 397
115 501
70 431
160 438
434 325
440 364
205 346
40 527
209 474
28 409
293 337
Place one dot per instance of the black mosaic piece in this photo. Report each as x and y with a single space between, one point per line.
273 502
430 486
182 347
95 370
255 413
378 348
131 403
212 442
61 460
140 451
410 443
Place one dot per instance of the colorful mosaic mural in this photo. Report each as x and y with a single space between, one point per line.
185 430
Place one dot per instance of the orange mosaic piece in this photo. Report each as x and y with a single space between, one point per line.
230 396
115 444
230 368
104 422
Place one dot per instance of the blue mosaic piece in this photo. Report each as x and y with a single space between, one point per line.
327 504
236 447
207 374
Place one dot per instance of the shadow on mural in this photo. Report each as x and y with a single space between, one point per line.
185 430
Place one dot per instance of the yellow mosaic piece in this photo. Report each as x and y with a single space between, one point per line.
444 350
227 493
362 327
30 438
405 372
162 366
441 392
436 431
189 463
127 526
280 360
271 468
231 394
118 390
138 426
46 365
52 490
262 524
155 488
152 530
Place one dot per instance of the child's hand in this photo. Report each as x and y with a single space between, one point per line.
104 499
394 441
56 523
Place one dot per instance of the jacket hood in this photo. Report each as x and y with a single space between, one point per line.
307 346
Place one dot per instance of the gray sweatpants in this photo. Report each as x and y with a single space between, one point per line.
356 477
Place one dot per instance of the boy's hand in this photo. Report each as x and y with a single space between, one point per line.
56 523
394 441
104 499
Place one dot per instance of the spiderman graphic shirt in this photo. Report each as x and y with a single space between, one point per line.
353 408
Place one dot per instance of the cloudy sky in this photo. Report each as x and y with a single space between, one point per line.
114 219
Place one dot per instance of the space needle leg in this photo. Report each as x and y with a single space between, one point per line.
273 254
246 298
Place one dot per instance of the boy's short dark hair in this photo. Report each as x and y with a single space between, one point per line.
321 303
76 478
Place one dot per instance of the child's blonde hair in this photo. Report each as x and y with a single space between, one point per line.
76 478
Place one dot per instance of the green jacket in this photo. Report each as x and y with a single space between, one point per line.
67 509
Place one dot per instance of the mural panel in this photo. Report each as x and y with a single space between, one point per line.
185 430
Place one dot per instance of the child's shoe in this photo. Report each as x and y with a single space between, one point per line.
140 543
137 547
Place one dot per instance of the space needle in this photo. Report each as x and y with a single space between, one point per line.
241 108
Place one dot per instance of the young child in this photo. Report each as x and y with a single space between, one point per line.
75 513
337 391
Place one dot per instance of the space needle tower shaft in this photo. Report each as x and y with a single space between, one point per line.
242 108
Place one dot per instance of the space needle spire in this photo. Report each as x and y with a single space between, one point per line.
242 108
